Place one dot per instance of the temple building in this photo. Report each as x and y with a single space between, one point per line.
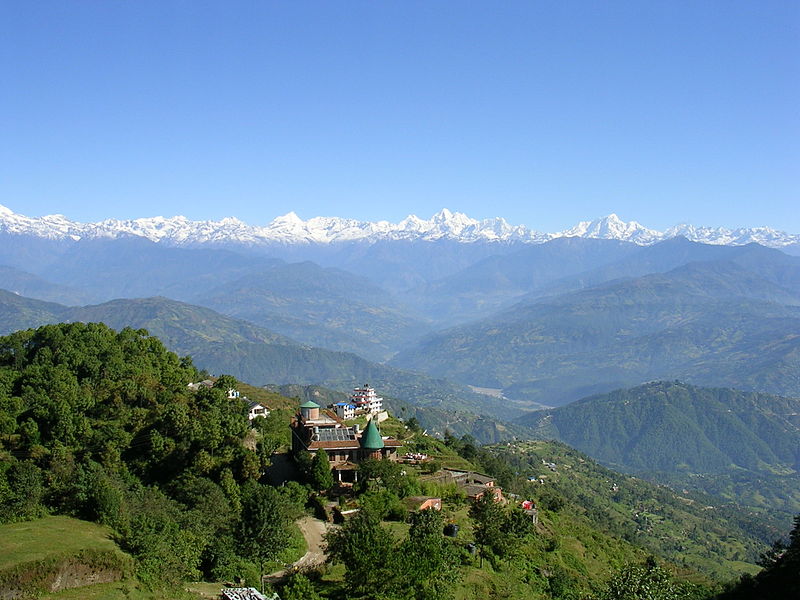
314 428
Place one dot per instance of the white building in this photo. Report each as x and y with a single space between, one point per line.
366 401
256 409
345 410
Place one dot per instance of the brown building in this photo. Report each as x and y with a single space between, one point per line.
346 446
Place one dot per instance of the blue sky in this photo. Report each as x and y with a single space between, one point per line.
544 113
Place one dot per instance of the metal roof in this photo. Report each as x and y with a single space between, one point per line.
371 438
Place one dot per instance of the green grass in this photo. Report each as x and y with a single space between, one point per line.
36 540
122 590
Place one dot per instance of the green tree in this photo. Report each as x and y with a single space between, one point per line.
366 551
321 476
226 382
299 587
489 531
383 503
642 582
22 491
167 552
264 526
388 475
426 566
778 580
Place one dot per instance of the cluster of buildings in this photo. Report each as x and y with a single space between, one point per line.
314 428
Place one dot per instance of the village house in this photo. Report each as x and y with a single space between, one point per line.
245 593
256 409
475 485
314 428
345 410
206 383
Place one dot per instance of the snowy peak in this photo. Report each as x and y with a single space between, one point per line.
444 225
614 228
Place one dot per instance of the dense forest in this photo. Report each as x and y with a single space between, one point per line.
102 426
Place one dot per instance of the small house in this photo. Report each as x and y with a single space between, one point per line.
256 409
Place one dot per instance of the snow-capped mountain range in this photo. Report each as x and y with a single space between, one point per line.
291 229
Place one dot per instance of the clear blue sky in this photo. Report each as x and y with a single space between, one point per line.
544 113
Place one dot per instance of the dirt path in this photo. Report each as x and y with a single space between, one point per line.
313 530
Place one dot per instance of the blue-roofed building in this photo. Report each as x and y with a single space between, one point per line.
345 410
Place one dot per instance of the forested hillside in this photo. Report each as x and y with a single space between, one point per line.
102 426
329 308
742 446
693 530
667 425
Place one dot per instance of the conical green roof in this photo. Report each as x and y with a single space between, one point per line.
309 404
371 438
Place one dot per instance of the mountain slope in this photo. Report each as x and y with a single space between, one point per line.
324 307
663 425
665 256
134 267
496 281
18 312
32 286
741 446
690 528
712 323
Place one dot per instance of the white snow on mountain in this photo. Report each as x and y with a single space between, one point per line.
291 229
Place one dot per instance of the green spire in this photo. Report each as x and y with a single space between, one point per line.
371 438
309 404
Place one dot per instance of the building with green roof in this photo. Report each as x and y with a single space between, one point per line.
371 438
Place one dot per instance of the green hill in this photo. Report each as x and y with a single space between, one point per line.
102 425
38 539
58 553
743 446
691 530
664 426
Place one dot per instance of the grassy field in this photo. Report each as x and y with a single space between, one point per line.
35 540
123 590
26 543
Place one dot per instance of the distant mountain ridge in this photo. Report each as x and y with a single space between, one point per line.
290 229
732 323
